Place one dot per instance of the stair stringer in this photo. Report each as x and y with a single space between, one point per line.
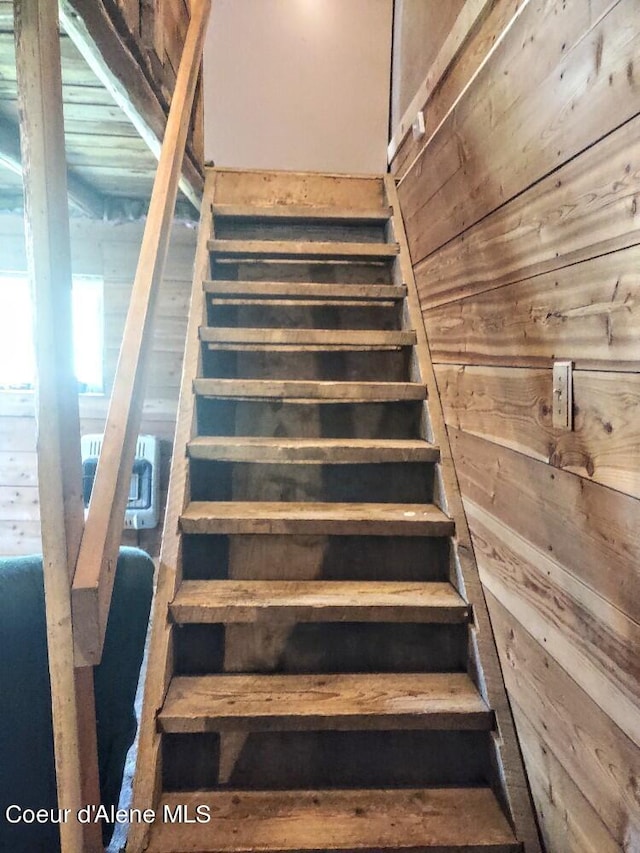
148 773
484 663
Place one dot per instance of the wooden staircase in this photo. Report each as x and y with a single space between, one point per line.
322 674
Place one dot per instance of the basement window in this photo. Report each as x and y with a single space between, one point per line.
17 359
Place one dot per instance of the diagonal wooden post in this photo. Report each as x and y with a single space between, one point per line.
58 426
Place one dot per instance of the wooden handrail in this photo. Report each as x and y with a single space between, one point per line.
95 569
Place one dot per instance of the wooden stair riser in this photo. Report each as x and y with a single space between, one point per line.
228 228
301 213
304 314
312 272
297 557
300 648
264 761
310 419
381 482
240 361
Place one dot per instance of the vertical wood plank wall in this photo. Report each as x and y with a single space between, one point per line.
110 251
523 215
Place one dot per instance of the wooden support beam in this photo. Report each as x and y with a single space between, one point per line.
58 442
81 194
89 26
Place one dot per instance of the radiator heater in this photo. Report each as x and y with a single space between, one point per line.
144 489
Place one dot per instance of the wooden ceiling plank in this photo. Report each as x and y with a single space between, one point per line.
88 25
81 194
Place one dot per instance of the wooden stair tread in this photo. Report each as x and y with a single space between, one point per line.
231 601
432 820
305 290
315 518
340 702
300 213
301 302
296 337
314 250
310 389
331 451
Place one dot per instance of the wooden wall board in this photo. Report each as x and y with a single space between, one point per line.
586 208
512 407
601 760
112 251
460 73
522 213
424 34
587 313
573 96
593 641
568 822
590 530
18 538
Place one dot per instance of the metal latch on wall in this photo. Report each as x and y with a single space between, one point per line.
562 414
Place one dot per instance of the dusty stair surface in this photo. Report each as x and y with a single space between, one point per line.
322 674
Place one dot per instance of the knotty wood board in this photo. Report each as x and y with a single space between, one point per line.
590 530
588 313
568 822
316 390
332 451
317 601
309 517
465 64
539 107
317 702
591 639
290 822
599 758
588 207
512 407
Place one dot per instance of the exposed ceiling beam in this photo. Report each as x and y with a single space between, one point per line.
81 194
88 25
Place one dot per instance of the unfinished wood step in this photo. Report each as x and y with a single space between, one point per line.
234 602
351 702
338 519
333 451
432 820
306 249
306 290
301 213
299 338
370 392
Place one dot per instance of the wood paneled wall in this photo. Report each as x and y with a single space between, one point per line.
155 31
522 205
420 28
110 251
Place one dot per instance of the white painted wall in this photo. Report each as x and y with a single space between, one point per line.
298 84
